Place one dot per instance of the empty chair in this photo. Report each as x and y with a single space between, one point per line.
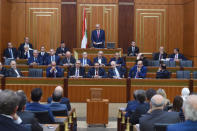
110 45
186 63
170 63
42 117
154 63
195 74
183 74
35 72
59 112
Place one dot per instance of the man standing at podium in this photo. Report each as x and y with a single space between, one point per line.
98 37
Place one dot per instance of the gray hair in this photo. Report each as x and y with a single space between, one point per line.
156 104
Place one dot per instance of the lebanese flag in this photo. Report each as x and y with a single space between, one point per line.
84 33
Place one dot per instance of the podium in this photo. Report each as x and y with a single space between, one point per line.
97 108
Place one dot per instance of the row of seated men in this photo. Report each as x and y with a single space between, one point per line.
16 111
152 107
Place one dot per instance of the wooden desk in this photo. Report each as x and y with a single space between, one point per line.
51 127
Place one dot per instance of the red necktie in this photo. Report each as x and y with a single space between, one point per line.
98 33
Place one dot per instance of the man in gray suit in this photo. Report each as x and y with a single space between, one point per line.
157 115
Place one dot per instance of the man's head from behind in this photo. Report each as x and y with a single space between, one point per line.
141 96
36 94
57 94
157 102
22 100
150 93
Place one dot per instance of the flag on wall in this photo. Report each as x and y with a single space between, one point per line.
84 33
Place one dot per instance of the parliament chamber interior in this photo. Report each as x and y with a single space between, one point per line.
98 65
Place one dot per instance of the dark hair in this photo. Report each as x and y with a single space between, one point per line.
150 93
62 42
57 96
163 66
36 94
177 49
22 99
177 103
141 96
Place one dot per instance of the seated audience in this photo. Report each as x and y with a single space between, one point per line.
64 100
54 71
69 60
163 93
35 105
133 50
157 115
2 70
100 59
115 71
27 117
85 61
162 72
13 71
27 53
23 48
138 71
43 54
61 51
96 72
77 71
185 93
177 56
140 57
119 61
35 60
10 53
52 57
160 55
190 112
9 120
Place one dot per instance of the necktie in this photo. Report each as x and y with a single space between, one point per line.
18 75
35 59
98 33
96 72
160 56
28 54
137 75
42 53
68 60
114 72
11 53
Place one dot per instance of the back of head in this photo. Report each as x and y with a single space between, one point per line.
36 94
185 92
141 96
57 96
157 102
177 103
22 100
150 93
162 92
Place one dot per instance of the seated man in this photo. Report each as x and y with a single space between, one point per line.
77 71
54 71
85 61
43 54
21 49
52 57
98 37
140 57
68 60
133 50
64 100
61 51
160 55
96 72
114 71
35 105
162 72
35 60
2 70
119 61
9 120
177 56
138 71
27 53
100 59
13 71
10 53
27 117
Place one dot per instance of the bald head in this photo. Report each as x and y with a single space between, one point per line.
58 89
157 102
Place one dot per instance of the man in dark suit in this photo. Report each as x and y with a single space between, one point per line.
43 54
54 71
35 105
27 117
85 61
13 71
35 60
9 120
100 59
61 51
2 70
177 56
98 37
163 73
157 115
138 71
21 49
77 71
10 53
96 72
52 57
27 53
68 60
114 71
133 50
119 61
160 55
190 112
63 100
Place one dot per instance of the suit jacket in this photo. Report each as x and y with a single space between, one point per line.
3 71
184 126
130 52
48 60
7 54
25 55
72 71
65 61
63 100
88 61
29 118
43 57
163 56
39 61
7 124
12 73
141 74
53 74
131 106
59 50
101 72
21 49
56 106
180 56
111 72
119 61
94 38
157 116
103 60
163 74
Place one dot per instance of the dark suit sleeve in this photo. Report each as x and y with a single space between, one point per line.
110 73
35 125
92 37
